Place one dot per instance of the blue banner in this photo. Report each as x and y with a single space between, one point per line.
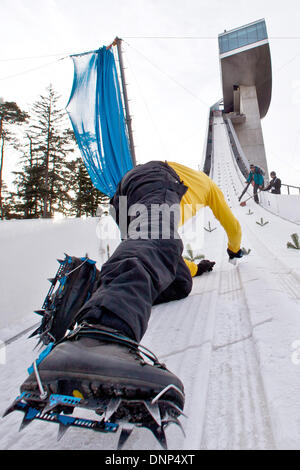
96 112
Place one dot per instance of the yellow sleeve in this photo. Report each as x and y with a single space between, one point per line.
198 188
203 191
222 212
192 267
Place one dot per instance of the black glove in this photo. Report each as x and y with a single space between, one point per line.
204 266
232 255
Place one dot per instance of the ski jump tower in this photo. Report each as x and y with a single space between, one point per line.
246 76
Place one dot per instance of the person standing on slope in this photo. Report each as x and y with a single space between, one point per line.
256 178
274 185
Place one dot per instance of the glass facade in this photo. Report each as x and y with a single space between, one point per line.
242 37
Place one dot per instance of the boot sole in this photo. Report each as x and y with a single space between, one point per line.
101 387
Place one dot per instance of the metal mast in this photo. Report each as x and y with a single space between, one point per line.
117 41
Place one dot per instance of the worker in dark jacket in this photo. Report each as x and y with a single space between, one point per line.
256 178
274 185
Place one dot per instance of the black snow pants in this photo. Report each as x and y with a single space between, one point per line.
147 268
255 189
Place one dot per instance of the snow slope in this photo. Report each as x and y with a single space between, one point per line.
233 341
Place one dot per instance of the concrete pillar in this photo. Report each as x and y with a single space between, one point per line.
236 99
249 132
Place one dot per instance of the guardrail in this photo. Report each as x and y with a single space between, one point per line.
290 189
208 157
236 148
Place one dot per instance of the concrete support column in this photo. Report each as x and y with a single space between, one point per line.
249 132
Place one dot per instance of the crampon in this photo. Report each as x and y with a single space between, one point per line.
104 405
70 288
110 414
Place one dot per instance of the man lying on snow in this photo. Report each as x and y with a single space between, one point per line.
101 357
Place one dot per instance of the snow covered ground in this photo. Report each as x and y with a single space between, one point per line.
234 342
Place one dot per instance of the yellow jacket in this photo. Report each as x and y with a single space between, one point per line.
202 191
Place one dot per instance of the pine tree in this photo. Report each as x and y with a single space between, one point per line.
10 114
52 142
8 204
86 197
27 195
48 180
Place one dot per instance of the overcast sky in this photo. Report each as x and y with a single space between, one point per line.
171 55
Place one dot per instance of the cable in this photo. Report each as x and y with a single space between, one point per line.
170 77
169 37
148 110
33 57
142 37
32 70
200 37
130 37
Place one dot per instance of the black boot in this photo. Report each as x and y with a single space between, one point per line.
95 362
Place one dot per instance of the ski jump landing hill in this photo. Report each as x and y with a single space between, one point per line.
234 342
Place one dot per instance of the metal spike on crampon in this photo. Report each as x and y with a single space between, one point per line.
175 421
39 344
40 312
158 432
154 411
34 408
125 434
111 414
173 409
62 429
11 408
112 407
36 332
28 418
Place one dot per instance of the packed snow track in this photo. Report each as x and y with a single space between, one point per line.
234 342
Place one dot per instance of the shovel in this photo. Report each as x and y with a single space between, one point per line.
244 202
247 186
